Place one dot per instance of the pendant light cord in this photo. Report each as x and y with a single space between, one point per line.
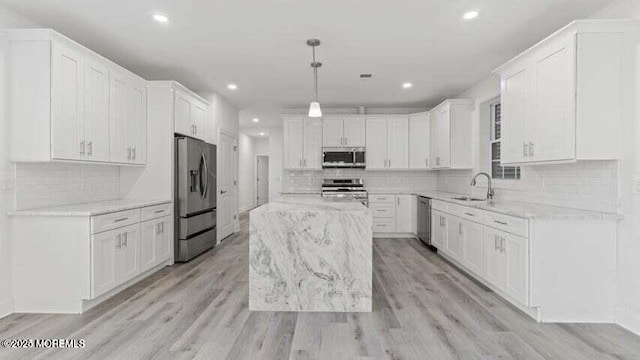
315 72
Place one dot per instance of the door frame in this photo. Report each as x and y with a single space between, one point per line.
234 136
255 180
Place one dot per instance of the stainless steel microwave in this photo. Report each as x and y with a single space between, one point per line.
338 157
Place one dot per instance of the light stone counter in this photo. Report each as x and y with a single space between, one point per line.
89 209
307 253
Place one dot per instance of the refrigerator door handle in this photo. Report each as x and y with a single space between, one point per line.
206 176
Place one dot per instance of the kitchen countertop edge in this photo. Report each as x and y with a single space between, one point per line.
89 209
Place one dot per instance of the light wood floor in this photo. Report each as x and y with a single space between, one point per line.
423 309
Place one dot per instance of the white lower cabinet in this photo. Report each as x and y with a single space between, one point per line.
453 245
155 242
472 246
392 213
506 259
114 258
438 229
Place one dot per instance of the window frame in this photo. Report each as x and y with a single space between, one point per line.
493 140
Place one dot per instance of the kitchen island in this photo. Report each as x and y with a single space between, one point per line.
307 253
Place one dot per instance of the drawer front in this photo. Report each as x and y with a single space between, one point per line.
384 225
381 198
510 224
156 211
465 212
383 210
439 205
110 221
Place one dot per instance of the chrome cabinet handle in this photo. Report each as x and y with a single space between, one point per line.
398 201
129 153
162 227
158 211
119 241
223 191
82 147
495 242
124 240
469 214
133 153
121 219
459 229
195 128
500 222
531 149
90 148
525 149
502 241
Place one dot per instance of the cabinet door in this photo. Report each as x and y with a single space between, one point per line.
419 140
404 213
494 259
453 246
515 250
149 231
105 247
293 143
312 144
197 119
96 113
438 230
354 132
515 99
164 240
182 109
127 261
553 126
137 121
117 118
332 132
376 133
398 142
442 137
472 246
66 100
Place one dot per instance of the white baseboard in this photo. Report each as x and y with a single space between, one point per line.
246 208
6 307
628 319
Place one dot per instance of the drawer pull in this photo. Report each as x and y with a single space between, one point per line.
500 222
158 211
469 214
122 219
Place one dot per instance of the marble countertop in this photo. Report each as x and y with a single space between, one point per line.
89 209
310 203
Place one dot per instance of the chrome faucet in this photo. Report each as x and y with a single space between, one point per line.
490 191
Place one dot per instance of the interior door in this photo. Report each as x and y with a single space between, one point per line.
96 113
312 144
516 90
472 246
553 125
226 185
136 125
376 132
104 248
419 141
66 99
117 118
332 132
398 142
293 143
262 180
354 131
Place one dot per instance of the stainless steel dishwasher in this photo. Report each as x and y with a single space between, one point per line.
424 219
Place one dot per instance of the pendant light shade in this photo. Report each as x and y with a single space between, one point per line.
314 107
314 110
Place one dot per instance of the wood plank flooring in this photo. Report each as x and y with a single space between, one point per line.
424 308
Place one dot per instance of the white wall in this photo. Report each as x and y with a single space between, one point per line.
275 161
8 19
246 173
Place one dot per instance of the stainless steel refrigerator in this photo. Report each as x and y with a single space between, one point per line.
195 198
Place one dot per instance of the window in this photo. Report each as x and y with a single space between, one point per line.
497 171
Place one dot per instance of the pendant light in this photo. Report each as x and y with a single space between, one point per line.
314 107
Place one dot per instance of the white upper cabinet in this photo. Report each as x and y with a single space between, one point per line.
419 141
68 103
303 143
562 98
341 131
387 141
450 135
190 113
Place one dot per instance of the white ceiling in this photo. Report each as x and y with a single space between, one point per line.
260 44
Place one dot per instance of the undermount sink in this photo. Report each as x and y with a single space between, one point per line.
466 198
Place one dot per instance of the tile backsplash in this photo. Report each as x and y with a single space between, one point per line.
590 185
373 180
56 184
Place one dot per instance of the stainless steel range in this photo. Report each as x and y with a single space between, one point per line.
345 189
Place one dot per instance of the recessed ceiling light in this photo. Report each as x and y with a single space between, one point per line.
407 85
256 120
470 15
232 86
161 18
261 134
